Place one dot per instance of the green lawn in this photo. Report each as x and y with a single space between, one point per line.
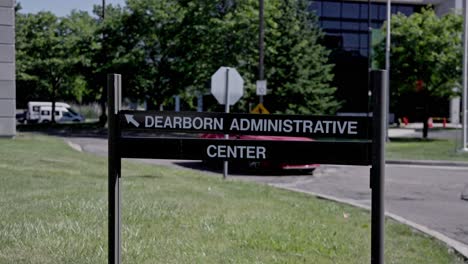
53 209
420 149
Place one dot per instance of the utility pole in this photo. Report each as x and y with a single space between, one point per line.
103 9
387 60
261 46
464 147
103 117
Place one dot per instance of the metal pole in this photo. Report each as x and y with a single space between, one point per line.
114 95
261 44
465 80
387 60
102 100
379 87
369 55
226 109
199 102
103 9
177 103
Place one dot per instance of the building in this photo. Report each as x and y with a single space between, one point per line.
7 69
346 26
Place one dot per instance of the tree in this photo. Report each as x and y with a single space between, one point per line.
146 48
83 44
111 56
297 65
43 61
225 33
425 56
167 48
214 34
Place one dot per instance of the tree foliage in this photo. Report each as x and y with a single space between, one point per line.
40 54
298 70
83 44
44 63
167 48
150 43
426 52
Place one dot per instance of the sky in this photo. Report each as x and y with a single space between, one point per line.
62 7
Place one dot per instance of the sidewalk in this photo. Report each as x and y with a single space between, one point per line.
415 130
402 132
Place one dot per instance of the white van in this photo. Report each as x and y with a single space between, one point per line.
41 112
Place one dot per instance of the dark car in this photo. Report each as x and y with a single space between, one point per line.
268 166
21 117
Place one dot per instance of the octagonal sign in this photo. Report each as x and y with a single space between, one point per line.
227 81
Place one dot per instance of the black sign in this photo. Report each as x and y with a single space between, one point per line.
248 124
321 152
356 148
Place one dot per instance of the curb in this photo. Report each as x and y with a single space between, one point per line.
459 247
74 146
429 163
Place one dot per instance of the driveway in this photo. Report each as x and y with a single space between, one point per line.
427 195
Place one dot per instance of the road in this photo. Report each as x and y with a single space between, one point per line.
427 195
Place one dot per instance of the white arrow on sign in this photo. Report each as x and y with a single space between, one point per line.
130 119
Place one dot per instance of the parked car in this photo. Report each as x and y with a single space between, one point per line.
21 117
41 112
62 115
267 166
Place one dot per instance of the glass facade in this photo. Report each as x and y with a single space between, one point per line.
346 27
346 23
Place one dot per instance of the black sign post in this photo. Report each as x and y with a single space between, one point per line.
377 175
343 140
114 105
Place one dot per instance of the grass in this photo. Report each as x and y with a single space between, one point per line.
424 149
53 206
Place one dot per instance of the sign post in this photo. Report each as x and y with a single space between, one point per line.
114 166
377 175
226 110
232 92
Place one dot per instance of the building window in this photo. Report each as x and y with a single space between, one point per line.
364 40
331 25
316 7
350 41
382 12
348 21
363 11
407 10
350 10
331 9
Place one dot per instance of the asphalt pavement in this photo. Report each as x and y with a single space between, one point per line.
426 196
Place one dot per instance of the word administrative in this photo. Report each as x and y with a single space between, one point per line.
233 125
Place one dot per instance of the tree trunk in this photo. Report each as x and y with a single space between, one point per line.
425 126
102 102
53 104
103 116
426 116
